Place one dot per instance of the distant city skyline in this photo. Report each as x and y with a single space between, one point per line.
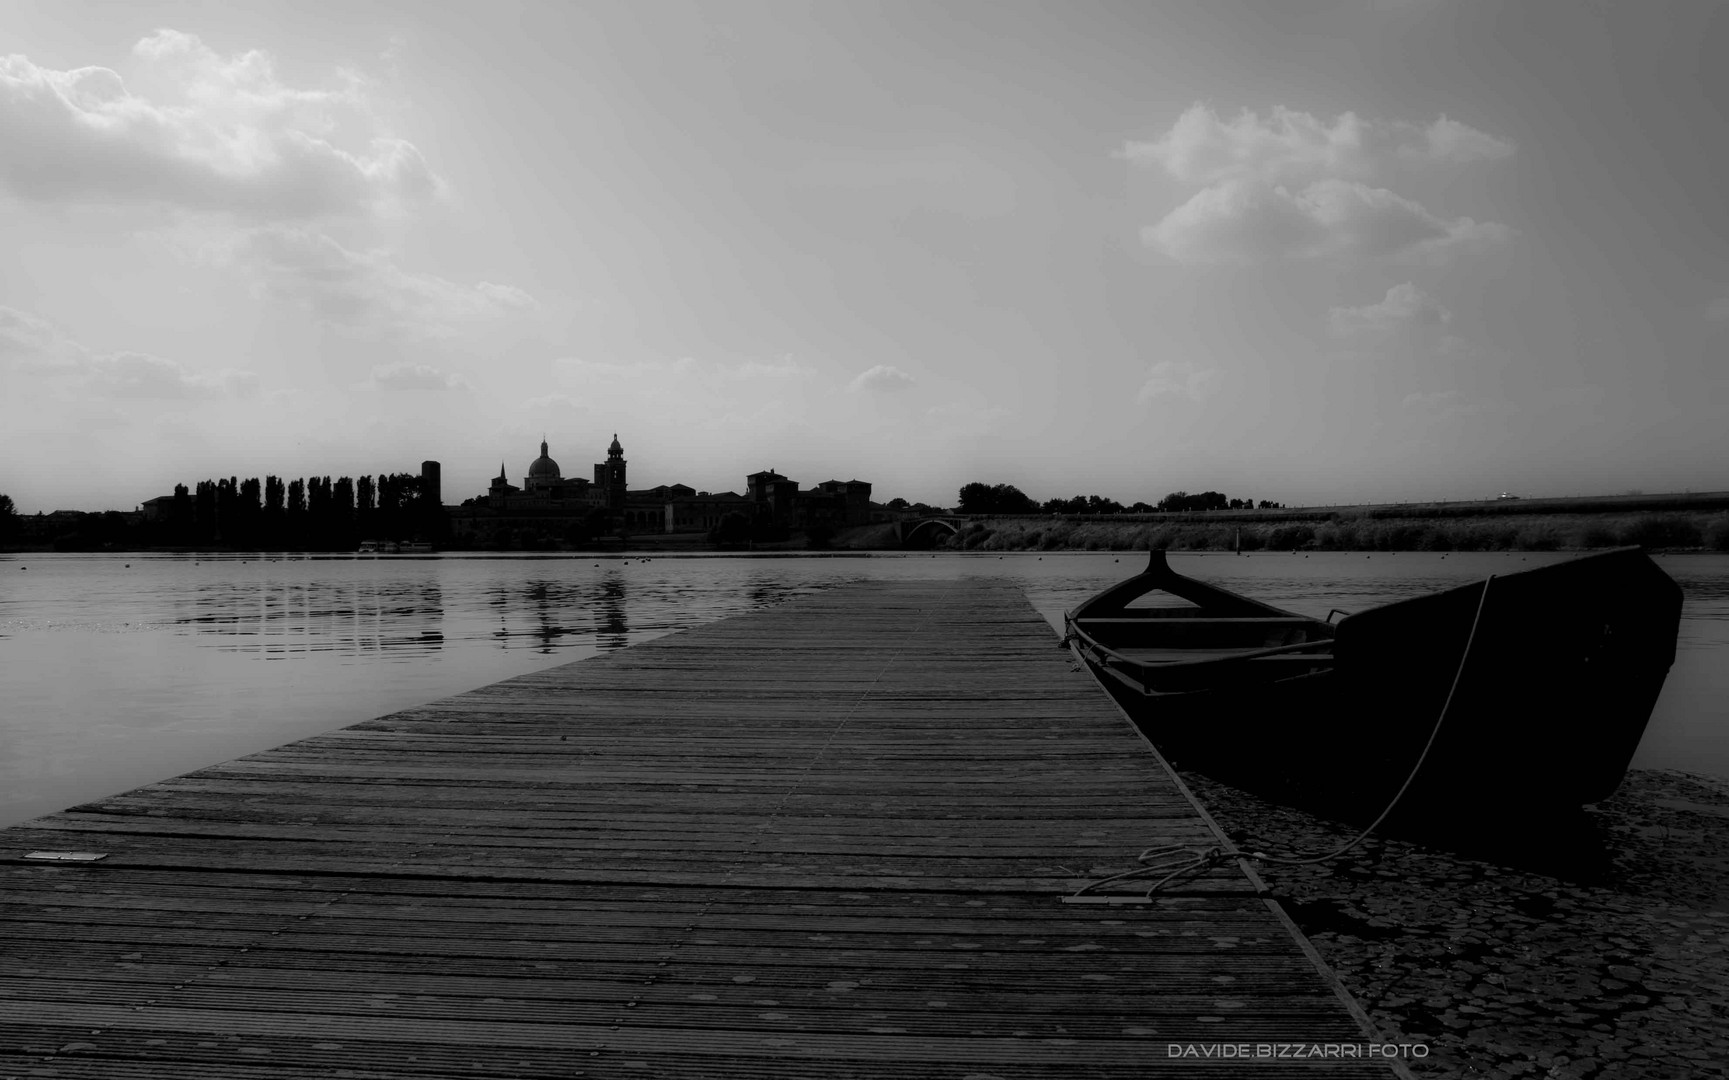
1337 251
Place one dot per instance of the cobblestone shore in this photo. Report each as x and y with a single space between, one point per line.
1596 953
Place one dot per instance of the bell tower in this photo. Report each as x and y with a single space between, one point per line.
615 485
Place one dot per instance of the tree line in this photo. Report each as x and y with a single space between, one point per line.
308 514
980 498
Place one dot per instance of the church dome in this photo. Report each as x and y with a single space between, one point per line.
543 467
615 449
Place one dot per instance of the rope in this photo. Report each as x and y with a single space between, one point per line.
1177 860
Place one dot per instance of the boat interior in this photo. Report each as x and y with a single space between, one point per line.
1162 618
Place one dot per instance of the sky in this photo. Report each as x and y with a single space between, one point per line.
1307 251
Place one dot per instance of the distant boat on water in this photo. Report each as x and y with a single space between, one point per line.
1546 678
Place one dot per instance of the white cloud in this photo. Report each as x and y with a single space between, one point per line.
1201 148
506 296
1455 143
228 136
1288 146
411 376
32 346
1294 187
881 379
366 290
1179 379
1404 306
1247 222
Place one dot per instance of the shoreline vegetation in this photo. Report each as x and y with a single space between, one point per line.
1551 525
1539 533
1673 522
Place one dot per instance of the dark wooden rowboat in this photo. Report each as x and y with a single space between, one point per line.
1564 666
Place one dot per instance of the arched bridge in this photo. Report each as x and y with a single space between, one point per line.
926 532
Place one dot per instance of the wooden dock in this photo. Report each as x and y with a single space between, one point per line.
830 839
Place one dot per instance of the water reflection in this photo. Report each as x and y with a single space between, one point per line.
277 619
612 631
542 615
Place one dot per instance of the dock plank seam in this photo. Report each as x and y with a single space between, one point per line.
824 840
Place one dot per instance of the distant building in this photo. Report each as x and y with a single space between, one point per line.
160 508
702 511
545 489
609 476
853 497
432 483
832 503
774 497
550 503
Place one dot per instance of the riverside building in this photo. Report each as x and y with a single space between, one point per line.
550 506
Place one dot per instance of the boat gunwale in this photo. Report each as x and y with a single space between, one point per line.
1160 577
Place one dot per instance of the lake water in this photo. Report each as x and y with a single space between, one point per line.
116 671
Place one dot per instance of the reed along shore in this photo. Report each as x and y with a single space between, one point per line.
1395 528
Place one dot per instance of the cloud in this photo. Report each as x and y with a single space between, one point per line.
1404 306
1455 143
1201 148
1288 146
1718 311
1294 187
366 290
33 344
34 347
1179 379
411 376
227 136
507 296
1245 222
881 379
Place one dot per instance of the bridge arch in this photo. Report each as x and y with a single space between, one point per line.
927 533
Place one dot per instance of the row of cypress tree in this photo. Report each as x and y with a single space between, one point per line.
309 514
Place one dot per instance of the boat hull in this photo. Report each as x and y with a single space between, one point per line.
1564 667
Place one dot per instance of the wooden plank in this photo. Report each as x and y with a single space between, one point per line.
827 839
